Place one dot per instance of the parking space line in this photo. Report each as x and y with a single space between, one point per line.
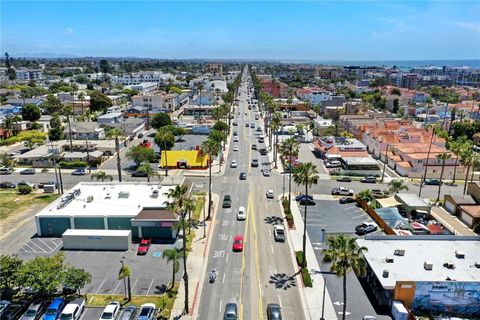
101 284
271 246
56 244
223 280
360 216
150 286
316 225
32 250
37 246
116 287
134 284
45 244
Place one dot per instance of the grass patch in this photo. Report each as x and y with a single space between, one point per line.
195 217
11 202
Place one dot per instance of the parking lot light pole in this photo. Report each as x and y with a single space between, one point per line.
323 299
124 281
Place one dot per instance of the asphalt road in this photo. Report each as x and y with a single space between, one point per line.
261 274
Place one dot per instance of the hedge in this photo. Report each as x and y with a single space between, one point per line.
24 189
299 256
307 280
73 164
8 141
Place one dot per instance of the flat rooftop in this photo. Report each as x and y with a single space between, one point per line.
111 199
434 249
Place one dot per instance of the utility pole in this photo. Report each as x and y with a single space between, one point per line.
426 164
384 163
88 155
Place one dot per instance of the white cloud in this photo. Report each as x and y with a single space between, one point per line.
69 31
471 26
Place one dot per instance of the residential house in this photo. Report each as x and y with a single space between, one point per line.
84 130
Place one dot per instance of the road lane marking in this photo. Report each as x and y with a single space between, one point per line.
360 216
101 284
220 306
226 260
150 286
279 301
257 260
271 246
33 250
38 246
223 280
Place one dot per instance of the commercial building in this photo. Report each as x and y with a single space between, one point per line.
137 207
214 68
428 274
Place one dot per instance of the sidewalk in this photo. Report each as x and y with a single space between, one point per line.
313 295
196 267
451 222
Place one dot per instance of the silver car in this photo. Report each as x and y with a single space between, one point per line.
33 312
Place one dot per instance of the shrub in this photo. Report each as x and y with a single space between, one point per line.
307 280
24 189
8 141
73 164
299 256
476 228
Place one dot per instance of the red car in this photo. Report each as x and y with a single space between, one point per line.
144 246
238 243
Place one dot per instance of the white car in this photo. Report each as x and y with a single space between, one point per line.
235 148
233 164
342 191
235 139
279 233
270 194
242 213
266 172
111 311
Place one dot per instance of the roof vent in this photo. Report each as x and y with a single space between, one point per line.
385 273
477 264
108 196
428 265
123 194
388 260
90 198
459 254
399 252
449 265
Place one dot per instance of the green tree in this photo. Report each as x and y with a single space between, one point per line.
99 101
31 112
101 175
10 266
130 92
76 278
467 159
140 154
160 120
172 255
175 89
345 256
165 140
105 66
288 149
52 105
56 128
24 190
396 92
189 206
396 185
148 170
210 147
305 173
444 156
32 137
366 195
6 160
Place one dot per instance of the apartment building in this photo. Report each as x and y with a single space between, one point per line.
151 101
29 74
214 68
139 77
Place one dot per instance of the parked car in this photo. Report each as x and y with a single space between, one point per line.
54 309
235 148
28 171
365 228
26 183
344 179
308 202
128 313
3 305
263 151
342 191
147 311
303 196
369 179
237 243
254 147
7 185
73 310
235 133
377 193
14 310
233 164
279 233
333 164
144 246
33 312
111 311
139 173
242 176
269 194
242 213
235 139
230 312
227 201
432 182
254 162
247 125
347 200
274 312
4 171
80 172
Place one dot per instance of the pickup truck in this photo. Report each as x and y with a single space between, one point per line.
73 310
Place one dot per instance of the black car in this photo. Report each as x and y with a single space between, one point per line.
28 171
347 200
254 147
14 311
432 182
7 185
308 202
344 179
128 313
230 312
303 197
274 312
263 151
227 201
369 179
254 162
243 176
139 174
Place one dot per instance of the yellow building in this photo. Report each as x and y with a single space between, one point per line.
184 159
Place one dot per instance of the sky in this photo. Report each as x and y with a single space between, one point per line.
312 30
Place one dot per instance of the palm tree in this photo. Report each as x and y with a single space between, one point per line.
274 126
210 147
116 134
434 131
456 147
306 174
190 205
366 195
81 97
172 255
124 273
467 159
179 199
289 148
442 157
344 256
396 185
101 175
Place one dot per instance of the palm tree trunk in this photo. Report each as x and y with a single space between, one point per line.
209 186
304 246
422 181
344 295
119 165
189 220
290 180
173 274
440 184
466 181
166 157
455 169
185 274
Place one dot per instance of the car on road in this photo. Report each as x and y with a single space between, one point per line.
344 179
279 233
233 164
378 194
247 125
237 245
42 184
5 171
308 202
432 182
7 185
54 309
235 139
128 313
235 133
333 164
26 183
261 140
269 194
235 123
252 125
342 191
33 312
242 213
144 246
345 200
139 173
263 151
365 227
303 196
28 171
266 172
79 172
235 148
254 162
111 311
369 179
227 201
254 147
230 312
242 176
274 312
147 311
369 318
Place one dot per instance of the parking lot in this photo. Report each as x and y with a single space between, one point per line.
150 274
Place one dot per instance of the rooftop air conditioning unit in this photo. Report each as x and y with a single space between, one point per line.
449 265
385 273
90 198
389 260
459 254
477 265
399 252
428 265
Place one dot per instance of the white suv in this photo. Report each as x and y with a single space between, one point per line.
342 191
233 164
111 311
242 213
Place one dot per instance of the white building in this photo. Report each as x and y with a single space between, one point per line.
151 101
144 87
144 76
29 74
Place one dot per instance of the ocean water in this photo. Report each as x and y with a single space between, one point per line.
473 63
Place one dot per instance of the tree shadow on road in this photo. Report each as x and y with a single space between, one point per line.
273 220
283 281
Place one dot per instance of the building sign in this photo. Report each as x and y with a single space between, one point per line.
448 297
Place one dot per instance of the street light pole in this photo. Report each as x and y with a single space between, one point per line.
124 281
323 299
384 163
